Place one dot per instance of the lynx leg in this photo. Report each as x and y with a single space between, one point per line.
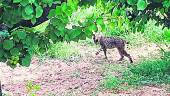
121 54
99 51
127 55
104 50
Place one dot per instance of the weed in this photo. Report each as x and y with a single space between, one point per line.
32 88
111 82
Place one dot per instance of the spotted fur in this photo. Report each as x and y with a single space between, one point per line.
111 42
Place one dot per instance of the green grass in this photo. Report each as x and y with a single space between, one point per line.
64 50
148 71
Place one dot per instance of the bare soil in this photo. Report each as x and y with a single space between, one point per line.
76 77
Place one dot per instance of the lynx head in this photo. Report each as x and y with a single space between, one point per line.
96 37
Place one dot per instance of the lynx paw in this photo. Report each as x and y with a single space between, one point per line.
97 53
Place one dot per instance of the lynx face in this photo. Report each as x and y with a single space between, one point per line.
109 43
96 38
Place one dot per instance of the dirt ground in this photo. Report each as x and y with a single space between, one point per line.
75 77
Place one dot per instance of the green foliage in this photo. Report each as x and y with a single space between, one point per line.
21 46
23 9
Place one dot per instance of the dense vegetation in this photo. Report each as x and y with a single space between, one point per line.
19 41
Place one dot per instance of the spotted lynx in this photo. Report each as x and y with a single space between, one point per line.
109 43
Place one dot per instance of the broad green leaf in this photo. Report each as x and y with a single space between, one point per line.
131 2
82 36
52 13
53 36
166 3
57 33
14 51
26 61
103 28
1 53
56 21
88 33
111 25
64 7
33 20
73 4
92 28
58 10
21 34
47 1
35 40
39 11
61 30
167 35
141 4
8 44
27 41
28 10
66 37
24 2
27 17
68 11
31 1
74 33
17 1
100 21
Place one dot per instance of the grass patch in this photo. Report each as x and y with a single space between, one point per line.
146 72
64 50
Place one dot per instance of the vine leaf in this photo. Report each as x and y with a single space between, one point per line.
16 1
8 44
141 5
21 35
26 61
131 2
14 51
28 10
1 53
24 2
39 11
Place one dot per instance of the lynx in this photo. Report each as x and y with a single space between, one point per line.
109 43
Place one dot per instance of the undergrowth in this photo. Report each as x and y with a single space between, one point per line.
149 71
62 50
